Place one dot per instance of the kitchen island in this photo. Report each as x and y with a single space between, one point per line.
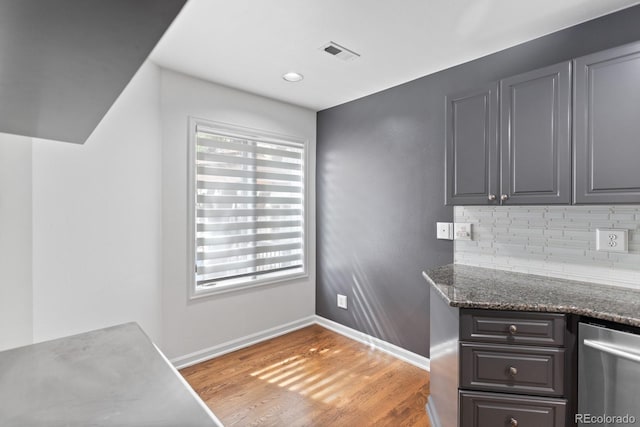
503 347
109 377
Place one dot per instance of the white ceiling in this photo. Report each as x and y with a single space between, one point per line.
249 44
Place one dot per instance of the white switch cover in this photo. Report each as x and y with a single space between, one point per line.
342 301
612 240
445 230
462 231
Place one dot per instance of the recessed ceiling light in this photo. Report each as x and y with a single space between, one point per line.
293 77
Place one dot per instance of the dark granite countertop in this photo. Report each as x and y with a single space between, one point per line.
475 287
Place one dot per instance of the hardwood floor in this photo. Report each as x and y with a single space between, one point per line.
312 377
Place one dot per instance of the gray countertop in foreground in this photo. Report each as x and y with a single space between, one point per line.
109 377
475 287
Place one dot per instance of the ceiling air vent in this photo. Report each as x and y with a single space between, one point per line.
334 49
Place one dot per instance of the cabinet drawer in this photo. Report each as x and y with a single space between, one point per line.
513 369
510 327
495 410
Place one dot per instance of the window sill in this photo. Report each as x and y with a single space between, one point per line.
224 289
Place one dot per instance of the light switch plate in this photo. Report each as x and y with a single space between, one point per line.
462 231
445 230
612 240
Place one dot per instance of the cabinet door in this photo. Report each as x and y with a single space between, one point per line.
512 368
512 327
535 136
504 410
472 151
606 121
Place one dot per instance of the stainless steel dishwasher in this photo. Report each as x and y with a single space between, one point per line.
608 377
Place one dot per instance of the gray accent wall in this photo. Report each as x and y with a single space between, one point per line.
379 192
380 184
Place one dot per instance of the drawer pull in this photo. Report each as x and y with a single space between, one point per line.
513 422
513 329
513 371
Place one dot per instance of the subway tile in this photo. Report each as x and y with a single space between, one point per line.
627 225
526 231
485 244
515 221
587 216
625 208
554 232
515 240
630 260
538 223
562 252
593 225
528 214
554 215
568 243
592 254
580 234
556 241
630 216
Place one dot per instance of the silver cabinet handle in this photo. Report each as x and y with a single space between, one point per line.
513 371
491 197
513 329
612 350
504 197
513 422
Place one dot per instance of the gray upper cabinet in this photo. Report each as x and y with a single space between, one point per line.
606 118
526 159
535 144
472 147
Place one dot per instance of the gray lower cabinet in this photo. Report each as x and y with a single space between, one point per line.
505 327
472 150
535 143
606 119
504 410
515 369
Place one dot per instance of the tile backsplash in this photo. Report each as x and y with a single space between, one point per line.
557 241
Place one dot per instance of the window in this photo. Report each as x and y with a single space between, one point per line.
247 216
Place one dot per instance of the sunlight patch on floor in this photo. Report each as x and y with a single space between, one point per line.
285 374
273 366
297 374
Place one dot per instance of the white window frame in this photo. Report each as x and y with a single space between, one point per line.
248 133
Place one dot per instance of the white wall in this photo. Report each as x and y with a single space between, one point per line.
16 314
95 235
97 221
192 326
557 241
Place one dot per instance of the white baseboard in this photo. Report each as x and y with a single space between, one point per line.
392 349
237 344
249 340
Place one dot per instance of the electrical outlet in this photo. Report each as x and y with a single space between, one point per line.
462 231
342 301
444 230
612 240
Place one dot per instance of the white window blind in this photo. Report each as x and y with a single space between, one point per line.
249 208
